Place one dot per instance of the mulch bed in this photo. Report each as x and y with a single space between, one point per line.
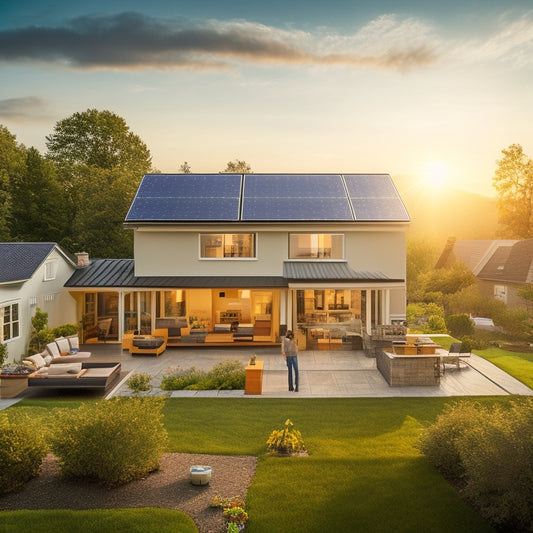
170 487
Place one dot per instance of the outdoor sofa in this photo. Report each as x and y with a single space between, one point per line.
95 375
154 344
62 350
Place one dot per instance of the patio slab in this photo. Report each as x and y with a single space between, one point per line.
323 374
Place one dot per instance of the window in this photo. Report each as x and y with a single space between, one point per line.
500 293
316 246
9 322
227 245
50 270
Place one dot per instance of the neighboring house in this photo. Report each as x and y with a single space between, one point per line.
240 258
32 275
501 267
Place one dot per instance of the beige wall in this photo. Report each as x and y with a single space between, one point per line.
176 253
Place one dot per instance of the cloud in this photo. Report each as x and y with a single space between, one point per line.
130 41
21 109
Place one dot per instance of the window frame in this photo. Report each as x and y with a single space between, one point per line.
223 245
11 323
50 271
343 251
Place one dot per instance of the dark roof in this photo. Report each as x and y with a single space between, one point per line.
313 271
237 198
19 260
116 273
121 273
511 264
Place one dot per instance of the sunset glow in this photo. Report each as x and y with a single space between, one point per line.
436 174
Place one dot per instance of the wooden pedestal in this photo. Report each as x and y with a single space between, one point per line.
254 378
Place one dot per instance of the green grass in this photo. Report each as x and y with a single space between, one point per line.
363 473
101 521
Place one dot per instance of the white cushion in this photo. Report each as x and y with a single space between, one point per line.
63 345
36 360
53 350
74 342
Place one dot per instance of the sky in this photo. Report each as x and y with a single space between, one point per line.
427 91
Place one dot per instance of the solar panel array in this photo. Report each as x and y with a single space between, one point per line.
266 198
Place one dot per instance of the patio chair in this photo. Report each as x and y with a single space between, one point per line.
452 357
104 326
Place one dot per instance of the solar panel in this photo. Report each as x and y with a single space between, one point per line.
314 197
266 197
374 197
187 197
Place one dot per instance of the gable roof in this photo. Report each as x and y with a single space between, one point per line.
20 260
234 198
475 254
511 263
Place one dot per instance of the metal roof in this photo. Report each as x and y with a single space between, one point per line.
19 260
120 273
313 271
117 273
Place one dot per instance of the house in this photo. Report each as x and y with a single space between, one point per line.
239 258
501 267
32 275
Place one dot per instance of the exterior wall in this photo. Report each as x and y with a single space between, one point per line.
512 298
49 296
177 252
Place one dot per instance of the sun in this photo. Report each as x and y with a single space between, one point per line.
436 174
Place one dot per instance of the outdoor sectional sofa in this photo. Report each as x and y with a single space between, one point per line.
62 350
77 375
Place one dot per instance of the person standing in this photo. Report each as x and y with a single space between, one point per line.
289 351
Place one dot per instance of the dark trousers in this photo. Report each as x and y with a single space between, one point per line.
292 365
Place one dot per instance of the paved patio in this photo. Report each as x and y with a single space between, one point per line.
323 374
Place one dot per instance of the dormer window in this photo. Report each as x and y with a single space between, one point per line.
316 246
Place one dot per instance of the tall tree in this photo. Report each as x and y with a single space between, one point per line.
238 166
11 165
38 212
513 180
101 163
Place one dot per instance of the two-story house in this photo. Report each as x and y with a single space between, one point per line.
228 258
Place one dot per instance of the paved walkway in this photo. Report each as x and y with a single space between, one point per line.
323 374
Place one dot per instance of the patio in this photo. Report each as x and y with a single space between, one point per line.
323 374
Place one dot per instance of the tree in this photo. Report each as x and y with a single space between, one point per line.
38 212
185 168
513 180
237 167
101 163
11 165
98 139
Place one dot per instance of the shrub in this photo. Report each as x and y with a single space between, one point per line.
22 448
460 325
439 442
436 324
139 382
179 379
113 441
65 330
227 375
492 451
286 440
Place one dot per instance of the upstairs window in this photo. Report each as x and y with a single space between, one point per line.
227 245
9 322
316 246
50 270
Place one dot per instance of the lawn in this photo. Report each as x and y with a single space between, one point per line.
363 472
